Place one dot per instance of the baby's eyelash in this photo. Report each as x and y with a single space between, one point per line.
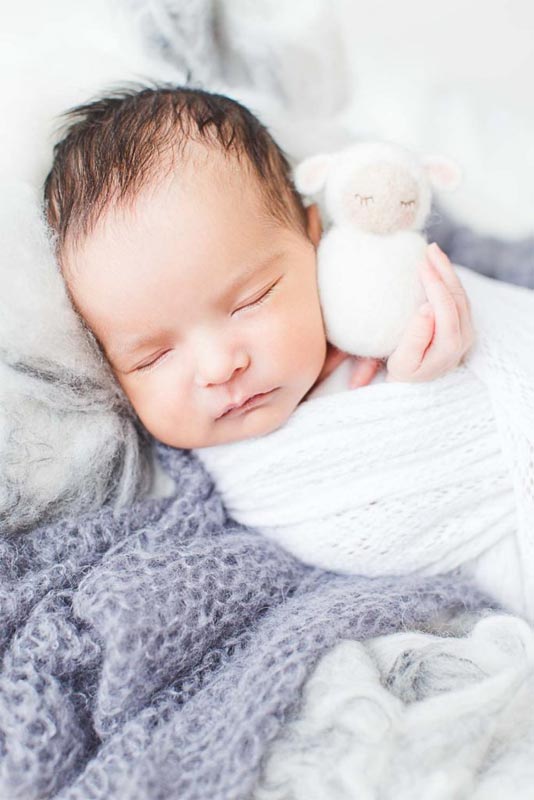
407 202
260 300
152 363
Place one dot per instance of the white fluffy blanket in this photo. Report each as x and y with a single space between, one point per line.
414 715
409 478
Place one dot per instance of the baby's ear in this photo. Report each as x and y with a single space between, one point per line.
442 172
310 175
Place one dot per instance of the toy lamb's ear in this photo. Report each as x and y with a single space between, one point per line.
441 172
310 175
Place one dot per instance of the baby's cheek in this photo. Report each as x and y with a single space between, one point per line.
305 341
168 413
156 395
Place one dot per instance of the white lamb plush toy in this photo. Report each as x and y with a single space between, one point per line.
378 196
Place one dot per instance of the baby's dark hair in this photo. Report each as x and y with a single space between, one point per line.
114 145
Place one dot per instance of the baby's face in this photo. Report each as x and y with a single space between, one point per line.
201 300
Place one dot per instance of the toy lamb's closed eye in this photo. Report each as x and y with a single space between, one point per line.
378 196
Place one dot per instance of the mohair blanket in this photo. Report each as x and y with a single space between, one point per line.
156 653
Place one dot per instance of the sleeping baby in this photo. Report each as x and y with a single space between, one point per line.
191 258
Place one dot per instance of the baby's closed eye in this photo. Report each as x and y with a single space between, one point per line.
261 299
153 361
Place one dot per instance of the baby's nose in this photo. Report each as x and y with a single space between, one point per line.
218 362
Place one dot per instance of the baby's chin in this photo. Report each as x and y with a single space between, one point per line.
255 425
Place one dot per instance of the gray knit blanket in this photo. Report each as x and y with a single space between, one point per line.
163 651
156 653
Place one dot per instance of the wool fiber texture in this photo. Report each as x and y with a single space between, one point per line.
68 440
157 652
413 715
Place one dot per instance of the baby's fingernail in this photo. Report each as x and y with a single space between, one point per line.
426 310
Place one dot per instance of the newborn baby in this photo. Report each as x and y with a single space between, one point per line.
191 258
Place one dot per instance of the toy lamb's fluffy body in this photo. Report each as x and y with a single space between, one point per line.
369 288
378 196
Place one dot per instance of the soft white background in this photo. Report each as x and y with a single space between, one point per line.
459 77
451 77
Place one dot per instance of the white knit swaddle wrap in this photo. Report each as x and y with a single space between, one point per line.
401 478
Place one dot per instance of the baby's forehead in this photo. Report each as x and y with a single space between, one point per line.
204 175
204 183
195 168
187 221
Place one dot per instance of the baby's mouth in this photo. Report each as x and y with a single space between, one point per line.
245 405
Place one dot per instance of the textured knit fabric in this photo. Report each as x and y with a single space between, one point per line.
408 478
156 655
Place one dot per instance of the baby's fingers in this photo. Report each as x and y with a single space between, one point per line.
442 263
333 359
445 269
363 371
443 302
405 361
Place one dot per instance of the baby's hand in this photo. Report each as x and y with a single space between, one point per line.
362 372
434 342
441 333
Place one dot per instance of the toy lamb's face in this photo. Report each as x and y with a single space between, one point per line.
381 198
377 187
